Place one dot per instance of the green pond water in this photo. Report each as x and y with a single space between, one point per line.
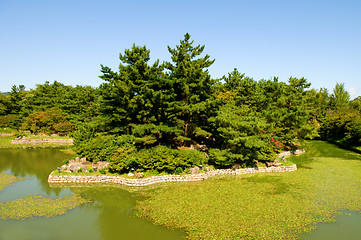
109 216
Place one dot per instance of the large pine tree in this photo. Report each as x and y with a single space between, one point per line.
192 86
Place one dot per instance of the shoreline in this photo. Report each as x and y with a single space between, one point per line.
138 182
43 141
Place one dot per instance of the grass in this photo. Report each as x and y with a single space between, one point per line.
262 206
35 205
7 130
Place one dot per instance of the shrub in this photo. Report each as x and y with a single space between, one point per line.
160 158
179 170
220 158
190 158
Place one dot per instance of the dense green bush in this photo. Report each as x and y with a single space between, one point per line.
97 146
160 159
342 125
219 158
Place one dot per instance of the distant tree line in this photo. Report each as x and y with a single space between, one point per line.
147 116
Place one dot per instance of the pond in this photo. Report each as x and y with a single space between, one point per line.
347 226
109 216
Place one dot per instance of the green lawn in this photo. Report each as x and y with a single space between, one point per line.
262 206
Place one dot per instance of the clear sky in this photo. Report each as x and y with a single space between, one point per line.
67 40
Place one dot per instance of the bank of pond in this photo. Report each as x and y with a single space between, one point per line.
287 205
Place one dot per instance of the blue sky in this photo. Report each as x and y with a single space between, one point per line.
68 40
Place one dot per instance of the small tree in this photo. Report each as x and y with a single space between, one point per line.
49 121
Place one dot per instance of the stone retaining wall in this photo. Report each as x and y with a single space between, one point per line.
44 141
6 134
164 178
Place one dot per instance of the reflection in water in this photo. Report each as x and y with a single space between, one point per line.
33 164
109 216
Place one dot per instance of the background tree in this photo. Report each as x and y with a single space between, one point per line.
340 97
49 121
138 99
4 105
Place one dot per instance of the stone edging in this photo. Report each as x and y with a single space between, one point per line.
44 141
6 134
172 178
164 178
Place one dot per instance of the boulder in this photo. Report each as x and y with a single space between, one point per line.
139 175
194 170
130 174
74 167
236 166
71 162
101 165
84 169
82 160
64 168
77 159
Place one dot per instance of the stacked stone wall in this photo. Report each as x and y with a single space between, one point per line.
164 178
172 178
44 141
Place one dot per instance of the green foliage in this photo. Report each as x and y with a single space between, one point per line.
160 159
178 170
134 95
356 104
219 158
340 97
17 96
189 158
159 107
192 84
79 103
49 121
5 105
8 120
342 125
242 132
99 147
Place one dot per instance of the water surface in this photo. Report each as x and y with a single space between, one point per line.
109 216
347 226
